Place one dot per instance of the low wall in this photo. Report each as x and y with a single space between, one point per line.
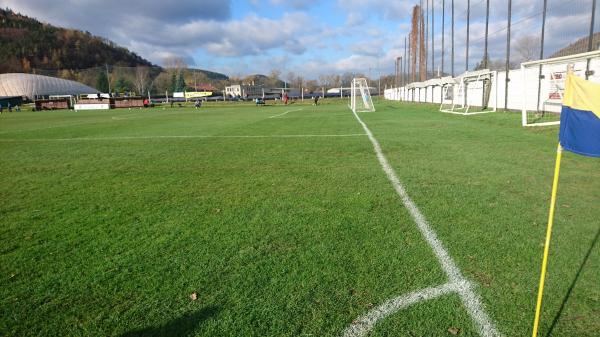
522 89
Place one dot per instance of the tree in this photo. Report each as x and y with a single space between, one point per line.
290 77
122 85
527 48
175 66
273 80
180 83
330 81
102 81
483 64
174 62
142 75
388 81
311 85
346 79
173 86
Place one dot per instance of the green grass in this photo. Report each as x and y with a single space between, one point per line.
284 236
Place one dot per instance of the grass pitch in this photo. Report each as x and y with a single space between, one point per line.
285 226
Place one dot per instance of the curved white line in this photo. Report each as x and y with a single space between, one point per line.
470 300
281 114
363 325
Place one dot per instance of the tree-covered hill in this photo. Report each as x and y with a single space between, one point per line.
29 44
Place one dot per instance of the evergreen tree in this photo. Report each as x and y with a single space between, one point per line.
173 86
102 82
181 83
122 85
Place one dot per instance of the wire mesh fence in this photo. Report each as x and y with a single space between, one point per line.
469 35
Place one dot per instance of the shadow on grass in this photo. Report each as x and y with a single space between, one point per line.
568 295
179 327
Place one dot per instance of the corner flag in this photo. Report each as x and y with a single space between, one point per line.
579 133
580 117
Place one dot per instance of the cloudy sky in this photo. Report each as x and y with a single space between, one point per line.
309 37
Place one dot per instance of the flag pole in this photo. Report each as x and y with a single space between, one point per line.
547 244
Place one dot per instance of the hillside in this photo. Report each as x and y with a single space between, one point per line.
29 44
579 46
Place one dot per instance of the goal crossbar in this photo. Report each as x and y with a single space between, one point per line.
360 96
459 89
542 107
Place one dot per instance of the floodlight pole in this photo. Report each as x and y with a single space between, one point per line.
507 79
487 22
396 72
401 69
432 39
537 107
468 23
443 31
452 56
590 39
406 75
426 37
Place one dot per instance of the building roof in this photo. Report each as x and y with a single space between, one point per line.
29 85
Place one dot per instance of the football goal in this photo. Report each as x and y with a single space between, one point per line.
544 85
470 93
360 96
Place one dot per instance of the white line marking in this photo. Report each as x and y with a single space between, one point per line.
113 118
281 114
50 127
123 117
470 300
364 324
176 137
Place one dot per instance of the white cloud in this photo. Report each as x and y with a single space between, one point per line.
155 29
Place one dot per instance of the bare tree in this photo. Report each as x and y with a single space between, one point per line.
174 65
527 48
290 77
298 82
336 80
273 78
388 81
174 62
346 79
311 85
142 75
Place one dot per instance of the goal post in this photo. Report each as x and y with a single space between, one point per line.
472 93
360 96
447 100
544 85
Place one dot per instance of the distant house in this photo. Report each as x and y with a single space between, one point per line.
244 91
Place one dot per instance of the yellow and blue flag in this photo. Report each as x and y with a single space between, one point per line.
580 117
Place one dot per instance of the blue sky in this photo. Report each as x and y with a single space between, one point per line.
307 37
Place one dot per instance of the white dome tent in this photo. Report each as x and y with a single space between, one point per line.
32 86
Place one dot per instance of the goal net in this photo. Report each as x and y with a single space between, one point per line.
470 93
360 96
544 85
